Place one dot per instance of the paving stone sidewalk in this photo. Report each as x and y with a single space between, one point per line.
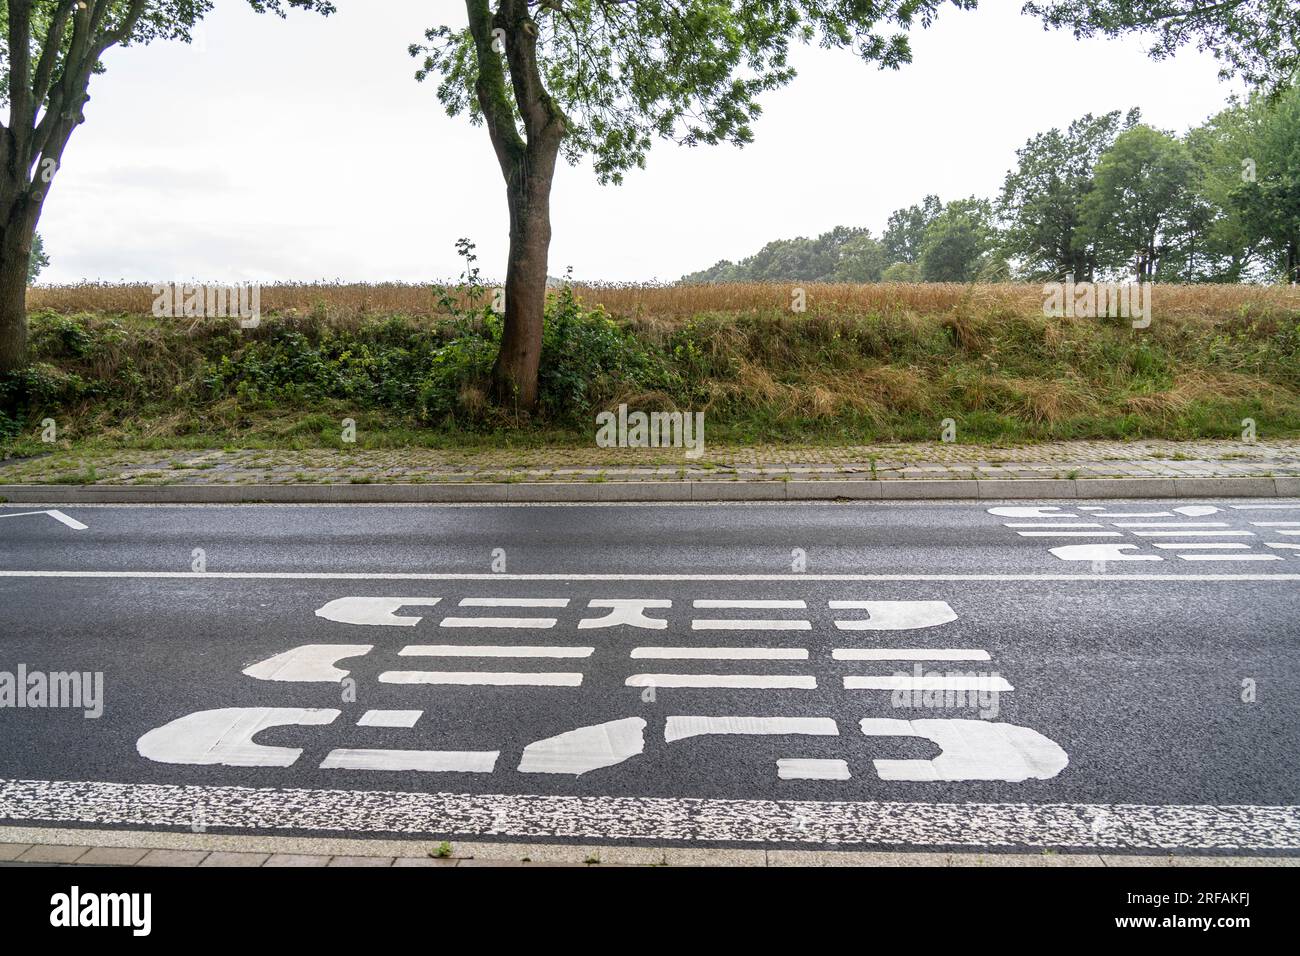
934 460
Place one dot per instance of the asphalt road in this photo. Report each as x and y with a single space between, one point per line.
895 676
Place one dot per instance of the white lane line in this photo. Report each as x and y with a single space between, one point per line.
1276 524
586 748
502 650
721 653
429 761
1101 552
1132 514
740 578
1170 524
390 718
690 820
58 516
1279 544
988 682
1195 534
1230 557
1049 524
1187 545
681 728
739 624
751 605
909 654
1070 534
1264 507
796 768
1288 533
513 602
374 611
539 623
765 681
485 678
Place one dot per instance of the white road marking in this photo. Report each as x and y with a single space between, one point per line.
738 578
390 718
972 750
1197 511
1186 545
58 516
429 761
766 681
721 653
587 748
1264 507
482 650
682 728
908 654
629 612
1101 552
538 623
1050 524
754 624
1070 534
1171 524
308 663
225 737
1132 514
751 605
690 820
1276 524
907 682
1230 557
1030 511
894 615
378 611
1288 533
513 602
1279 544
793 768
1194 534
486 678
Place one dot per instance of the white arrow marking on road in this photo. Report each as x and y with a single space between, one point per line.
630 612
791 768
908 654
59 516
225 737
485 678
377 611
1031 511
427 761
895 615
681 728
309 663
773 681
587 748
972 750
1101 552
482 650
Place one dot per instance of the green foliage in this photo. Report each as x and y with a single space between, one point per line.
957 241
905 230
843 254
38 260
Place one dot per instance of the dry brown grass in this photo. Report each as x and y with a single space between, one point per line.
649 303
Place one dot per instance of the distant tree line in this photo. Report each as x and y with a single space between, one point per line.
1106 197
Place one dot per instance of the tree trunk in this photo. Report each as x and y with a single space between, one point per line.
528 188
15 251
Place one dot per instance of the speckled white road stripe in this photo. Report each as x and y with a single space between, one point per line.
496 650
796 768
721 653
695 820
427 761
488 678
768 681
909 654
927 682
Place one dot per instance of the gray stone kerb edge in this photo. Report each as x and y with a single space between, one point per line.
668 491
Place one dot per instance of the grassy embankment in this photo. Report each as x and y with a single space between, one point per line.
863 364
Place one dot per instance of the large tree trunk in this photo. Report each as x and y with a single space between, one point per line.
528 188
15 251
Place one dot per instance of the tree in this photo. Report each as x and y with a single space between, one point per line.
844 254
1256 40
1268 198
957 242
1041 205
905 230
604 78
862 259
901 272
49 51
1134 211
38 261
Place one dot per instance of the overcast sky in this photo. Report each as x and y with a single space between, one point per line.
304 149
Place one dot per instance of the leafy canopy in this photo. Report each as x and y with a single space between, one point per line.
625 72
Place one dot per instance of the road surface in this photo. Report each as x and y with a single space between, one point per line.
1118 675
